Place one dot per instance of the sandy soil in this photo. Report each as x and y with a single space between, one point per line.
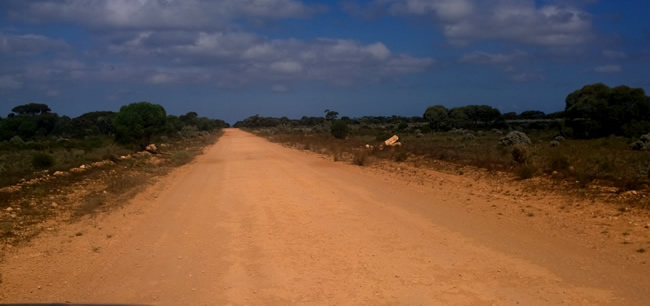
252 222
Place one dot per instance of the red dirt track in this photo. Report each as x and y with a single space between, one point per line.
252 222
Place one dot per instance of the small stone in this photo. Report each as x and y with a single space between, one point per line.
82 167
59 173
9 209
54 205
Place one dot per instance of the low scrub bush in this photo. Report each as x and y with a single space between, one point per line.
181 157
514 138
559 163
643 144
401 156
339 129
41 160
525 171
361 158
521 154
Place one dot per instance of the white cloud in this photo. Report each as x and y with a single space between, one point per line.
608 68
233 59
464 21
26 45
286 67
614 54
190 41
481 57
160 78
156 14
378 51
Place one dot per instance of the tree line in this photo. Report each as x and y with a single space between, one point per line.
136 123
595 110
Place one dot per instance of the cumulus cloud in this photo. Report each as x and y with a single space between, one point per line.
155 14
608 68
286 67
235 58
614 54
25 45
193 41
464 21
480 57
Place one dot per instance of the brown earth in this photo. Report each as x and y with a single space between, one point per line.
252 222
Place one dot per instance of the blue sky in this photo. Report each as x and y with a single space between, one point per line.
231 59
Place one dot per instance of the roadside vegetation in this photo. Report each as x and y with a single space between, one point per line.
55 168
601 138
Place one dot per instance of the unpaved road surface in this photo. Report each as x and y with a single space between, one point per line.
252 222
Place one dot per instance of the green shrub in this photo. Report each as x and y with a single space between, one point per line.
181 157
41 160
339 129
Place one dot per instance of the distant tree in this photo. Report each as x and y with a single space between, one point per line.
510 116
437 115
92 124
532 114
339 129
331 115
31 109
190 118
458 117
597 110
138 123
475 116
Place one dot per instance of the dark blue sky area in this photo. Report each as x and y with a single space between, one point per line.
231 59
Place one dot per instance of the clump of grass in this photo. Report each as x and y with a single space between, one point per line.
123 184
360 158
337 155
42 160
559 163
6 229
89 205
401 156
521 154
525 171
181 157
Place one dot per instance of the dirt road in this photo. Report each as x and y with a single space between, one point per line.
252 222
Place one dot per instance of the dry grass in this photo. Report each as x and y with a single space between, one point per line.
77 195
607 161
